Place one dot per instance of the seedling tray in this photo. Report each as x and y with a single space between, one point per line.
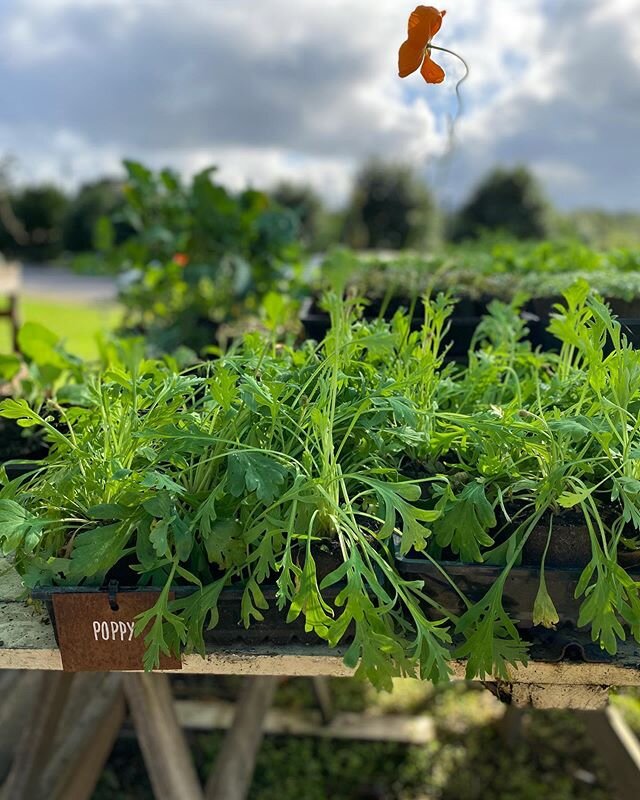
566 643
468 314
273 629
20 467
462 328
475 580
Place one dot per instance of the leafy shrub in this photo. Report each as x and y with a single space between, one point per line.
506 201
307 207
37 213
85 220
390 208
200 256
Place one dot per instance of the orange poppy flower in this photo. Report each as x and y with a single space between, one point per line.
181 259
424 23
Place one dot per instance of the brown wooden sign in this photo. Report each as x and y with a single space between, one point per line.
94 637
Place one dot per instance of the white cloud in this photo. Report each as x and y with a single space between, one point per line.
308 89
558 175
574 107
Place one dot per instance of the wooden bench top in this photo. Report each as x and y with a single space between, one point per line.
27 642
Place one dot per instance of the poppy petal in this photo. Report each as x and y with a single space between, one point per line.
409 59
432 72
424 23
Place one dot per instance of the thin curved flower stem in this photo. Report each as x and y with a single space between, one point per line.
462 79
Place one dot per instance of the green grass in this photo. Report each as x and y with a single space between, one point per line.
76 323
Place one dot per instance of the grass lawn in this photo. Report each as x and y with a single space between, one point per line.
76 323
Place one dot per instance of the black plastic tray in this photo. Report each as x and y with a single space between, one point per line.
467 316
475 580
565 643
273 629
20 467
458 340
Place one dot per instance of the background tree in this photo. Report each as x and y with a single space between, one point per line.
507 201
307 206
93 202
12 232
31 225
390 208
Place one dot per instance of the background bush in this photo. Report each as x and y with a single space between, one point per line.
390 209
509 202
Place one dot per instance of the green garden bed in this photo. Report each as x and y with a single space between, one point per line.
238 473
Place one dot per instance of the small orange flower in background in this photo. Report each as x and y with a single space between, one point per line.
181 259
424 23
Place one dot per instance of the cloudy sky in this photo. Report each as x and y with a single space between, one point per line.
308 88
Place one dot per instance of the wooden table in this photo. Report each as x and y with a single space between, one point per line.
97 707
27 642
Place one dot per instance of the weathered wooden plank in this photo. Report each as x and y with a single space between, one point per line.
166 754
323 697
37 739
619 748
86 737
233 769
18 694
27 642
569 696
206 715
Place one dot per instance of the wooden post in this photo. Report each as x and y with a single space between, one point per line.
510 726
36 741
207 715
233 770
324 698
164 747
619 748
78 761
18 691
10 279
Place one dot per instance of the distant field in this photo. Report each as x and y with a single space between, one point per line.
77 323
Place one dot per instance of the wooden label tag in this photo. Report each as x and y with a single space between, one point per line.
93 637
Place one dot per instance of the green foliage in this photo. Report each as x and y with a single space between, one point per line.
87 225
18 528
255 472
247 471
199 255
509 202
467 760
465 522
44 375
601 229
390 208
9 367
308 208
44 366
504 270
37 214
